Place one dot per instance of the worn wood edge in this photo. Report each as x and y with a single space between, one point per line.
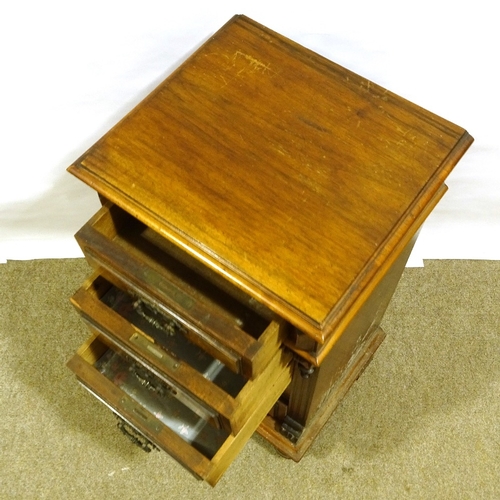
269 428
395 242
337 328
233 445
319 356
266 347
79 161
255 391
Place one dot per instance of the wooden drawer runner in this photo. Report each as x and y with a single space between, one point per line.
119 245
152 409
159 343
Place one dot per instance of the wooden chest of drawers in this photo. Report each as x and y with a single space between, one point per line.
258 209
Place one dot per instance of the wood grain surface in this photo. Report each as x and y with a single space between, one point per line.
289 175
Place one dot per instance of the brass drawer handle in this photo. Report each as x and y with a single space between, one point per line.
136 437
149 381
168 325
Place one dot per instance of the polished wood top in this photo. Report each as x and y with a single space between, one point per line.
291 176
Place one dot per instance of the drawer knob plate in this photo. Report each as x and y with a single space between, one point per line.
162 356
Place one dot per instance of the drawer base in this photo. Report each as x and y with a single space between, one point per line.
269 429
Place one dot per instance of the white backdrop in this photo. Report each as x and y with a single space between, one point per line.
71 69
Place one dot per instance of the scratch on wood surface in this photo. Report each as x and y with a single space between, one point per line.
411 137
255 64
374 90
281 150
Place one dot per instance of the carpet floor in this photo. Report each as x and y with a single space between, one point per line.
422 422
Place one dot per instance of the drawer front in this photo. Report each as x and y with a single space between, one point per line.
202 382
120 246
152 409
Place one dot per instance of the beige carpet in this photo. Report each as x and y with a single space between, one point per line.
421 422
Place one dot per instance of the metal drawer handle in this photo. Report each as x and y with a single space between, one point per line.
168 325
136 437
150 382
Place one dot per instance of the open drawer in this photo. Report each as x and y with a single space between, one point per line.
150 266
153 410
160 344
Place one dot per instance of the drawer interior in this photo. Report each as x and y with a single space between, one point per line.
182 270
151 394
200 381
233 329
149 406
170 336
